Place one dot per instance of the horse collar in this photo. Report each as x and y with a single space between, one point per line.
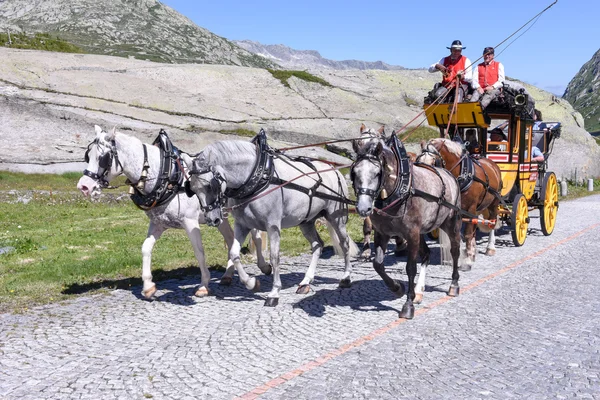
262 173
402 187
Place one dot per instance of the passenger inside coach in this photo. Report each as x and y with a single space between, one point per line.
498 140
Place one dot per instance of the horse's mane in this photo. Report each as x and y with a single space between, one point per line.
221 152
453 147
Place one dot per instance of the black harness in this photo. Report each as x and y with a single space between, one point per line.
169 182
263 175
105 162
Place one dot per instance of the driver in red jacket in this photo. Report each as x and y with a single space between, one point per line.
452 66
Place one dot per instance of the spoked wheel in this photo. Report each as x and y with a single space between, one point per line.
520 220
549 197
434 234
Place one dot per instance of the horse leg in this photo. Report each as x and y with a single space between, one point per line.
257 239
424 254
154 233
400 250
316 243
412 239
367 230
470 247
380 243
240 233
341 238
227 233
193 231
491 246
453 231
274 240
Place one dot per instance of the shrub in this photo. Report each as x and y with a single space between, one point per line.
284 75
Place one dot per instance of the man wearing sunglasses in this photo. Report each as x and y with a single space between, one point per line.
488 78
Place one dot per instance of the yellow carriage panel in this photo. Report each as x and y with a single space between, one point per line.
508 169
467 114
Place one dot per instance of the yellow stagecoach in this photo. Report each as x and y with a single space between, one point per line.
505 133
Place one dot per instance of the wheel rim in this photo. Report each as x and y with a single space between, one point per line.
521 220
550 203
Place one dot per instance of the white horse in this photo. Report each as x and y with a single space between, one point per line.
112 154
294 194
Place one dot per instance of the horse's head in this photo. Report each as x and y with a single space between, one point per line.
367 173
103 164
430 153
208 183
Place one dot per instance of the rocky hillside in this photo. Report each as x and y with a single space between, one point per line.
583 92
49 103
307 59
142 29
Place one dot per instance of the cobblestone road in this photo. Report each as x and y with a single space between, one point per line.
526 325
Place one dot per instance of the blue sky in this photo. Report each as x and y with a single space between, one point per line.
415 34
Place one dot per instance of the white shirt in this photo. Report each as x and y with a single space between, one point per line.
468 70
496 85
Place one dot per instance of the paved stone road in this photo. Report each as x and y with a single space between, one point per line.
532 331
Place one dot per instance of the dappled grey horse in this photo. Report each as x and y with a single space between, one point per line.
145 166
269 191
405 200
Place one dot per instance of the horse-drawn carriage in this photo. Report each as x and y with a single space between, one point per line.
526 184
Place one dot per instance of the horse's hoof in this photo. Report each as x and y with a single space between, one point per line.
408 311
202 292
271 301
465 267
345 283
149 293
256 287
453 291
303 289
490 252
399 289
418 298
226 281
267 270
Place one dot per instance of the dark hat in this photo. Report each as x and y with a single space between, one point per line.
488 50
498 131
456 45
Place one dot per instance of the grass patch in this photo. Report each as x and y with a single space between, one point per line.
63 245
418 134
576 190
39 41
284 75
239 132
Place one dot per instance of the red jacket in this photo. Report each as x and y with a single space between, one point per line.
488 74
454 67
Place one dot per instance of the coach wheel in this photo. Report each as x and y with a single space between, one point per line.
520 220
434 234
549 198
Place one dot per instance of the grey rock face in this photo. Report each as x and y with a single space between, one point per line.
307 59
583 92
142 29
49 103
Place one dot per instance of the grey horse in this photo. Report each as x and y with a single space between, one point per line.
302 194
112 154
411 200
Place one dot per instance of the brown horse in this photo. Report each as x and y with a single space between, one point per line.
480 184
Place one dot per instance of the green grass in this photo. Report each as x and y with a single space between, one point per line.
576 190
39 41
65 245
239 132
418 134
284 75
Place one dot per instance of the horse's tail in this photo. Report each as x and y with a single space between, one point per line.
353 249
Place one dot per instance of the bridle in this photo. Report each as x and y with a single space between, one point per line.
372 158
431 151
216 185
105 162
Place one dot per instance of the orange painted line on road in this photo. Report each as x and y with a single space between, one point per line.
309 366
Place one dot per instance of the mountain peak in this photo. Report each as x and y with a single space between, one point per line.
307 59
